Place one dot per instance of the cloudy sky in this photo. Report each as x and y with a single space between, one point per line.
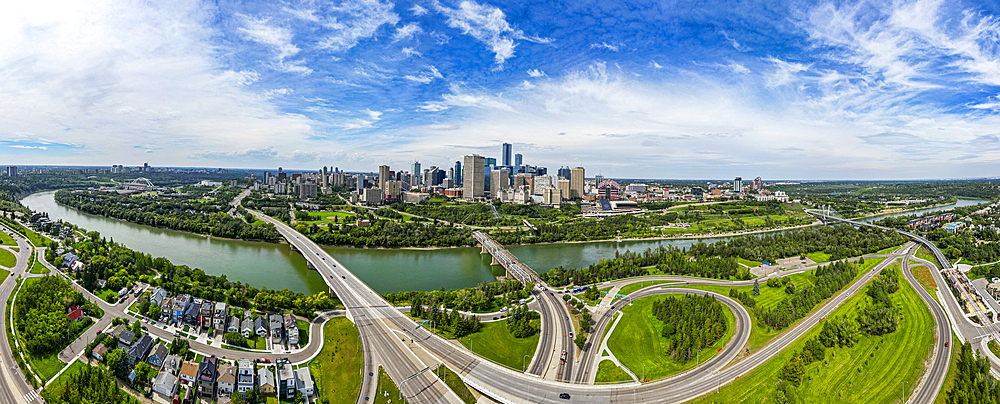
648 89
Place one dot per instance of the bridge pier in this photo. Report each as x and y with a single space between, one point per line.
494 261
484 251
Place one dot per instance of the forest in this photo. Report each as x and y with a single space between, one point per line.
801 300
91 385
484 298
40 314
840 241
445 321
179 214
690 323
973 383
668 260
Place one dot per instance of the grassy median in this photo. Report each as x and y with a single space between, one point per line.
337 367
387 390
872 371
638 344
7 259
497 344
609 372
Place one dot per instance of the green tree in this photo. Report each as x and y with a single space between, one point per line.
756 287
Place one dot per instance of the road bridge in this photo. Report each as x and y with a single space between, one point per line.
504 258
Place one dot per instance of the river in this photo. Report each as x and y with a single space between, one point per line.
275 266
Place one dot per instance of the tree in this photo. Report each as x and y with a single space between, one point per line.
794 369
756 287
235 339
153 311
143 373
117 361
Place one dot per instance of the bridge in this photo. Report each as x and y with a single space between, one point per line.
508 261
827 216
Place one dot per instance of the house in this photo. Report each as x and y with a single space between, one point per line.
205 315
166 308
75 313
244 376
277 328
99 351
246 327
208 371
192 311
157 296
226 383
189 372
220 316
180 307
234 324
260 327
291 329
140 350
125 338
157 355
265 380
172 364
69 258
304 381
77 266
286 382
165 384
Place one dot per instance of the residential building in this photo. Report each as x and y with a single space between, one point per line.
157 355
157 297
286 382
291 329
260 326
225 384
165 385
205 316
473 176
99 352
304 382
219 316
234 324
125 338
246 327
265 381
189 372
172 364
576 179
308 190
192 311
139 351
180 307
244 376
738 185
372 196
276 325
208 371
167 308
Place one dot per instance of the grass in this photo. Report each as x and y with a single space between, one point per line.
632 287
949 379
337 367
885 362
387 390
56 387
4 274
303 332
496 343
747 262
107 295
923 274
924 254
46 364
39 268
7 259
994 348
456 384
609 372
256 342
636 341
6 239
819 256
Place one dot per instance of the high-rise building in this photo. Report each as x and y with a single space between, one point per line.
598 179
12 171
307 190
473 176
458 174
518 160
551 196
383 179
563 173
738 185
499 181
506 155
564 188
416 172
540 184
758 184
576 183
490 162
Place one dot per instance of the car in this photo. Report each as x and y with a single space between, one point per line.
945 344
331 276
496 318
145 328
564 396
571 334
177 334
567 317
343 277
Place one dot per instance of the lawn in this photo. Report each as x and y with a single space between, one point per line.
819 256
7 259
4 274
994 348
337 368
46 364
56 387
6 239
258 342
636 342
609 372
747 262
303 332
387 390
923 274
456 384
872 371
107 295
924 254
39 268
632 287
495 343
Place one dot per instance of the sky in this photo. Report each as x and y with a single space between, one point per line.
640 89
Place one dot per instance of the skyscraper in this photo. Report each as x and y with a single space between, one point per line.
473 176
506 155
576 183
383 178
500 181
458 173
518 160
415 171
738 185
563 173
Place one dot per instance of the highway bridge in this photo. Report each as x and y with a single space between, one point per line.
504 258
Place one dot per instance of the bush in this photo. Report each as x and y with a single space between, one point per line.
235 339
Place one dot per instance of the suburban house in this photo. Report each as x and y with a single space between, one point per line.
189 372
260 327
165 384
172 364
140 350
192 311
286 382
226 383
125 338
180 308
208 371
234 324
157 355
304 381
277 328
167 307
291 329
246 327
244 376
220 316
265 380
99 351
157 296
75 313
205 317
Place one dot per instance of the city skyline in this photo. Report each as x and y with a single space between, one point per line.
810 90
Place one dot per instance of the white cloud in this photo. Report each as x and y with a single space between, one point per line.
418 10
280 38
409 52
655 65
536 73
406 32
737 67
489 25
351 21
606 46
784 72
427 77
526 85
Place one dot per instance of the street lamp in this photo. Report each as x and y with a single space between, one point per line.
523 368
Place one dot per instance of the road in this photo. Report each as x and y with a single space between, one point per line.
928 389
17 390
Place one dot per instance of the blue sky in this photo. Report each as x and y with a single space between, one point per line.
650 89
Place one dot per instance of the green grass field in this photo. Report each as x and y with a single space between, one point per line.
923 274
924 254
326 217
637 342
337 368
7 259
456 384
303 332
819 257
609 372
884 362
46 364
4 274
632 287
107 295
39 268
495 343
747 262
57 385
387 390
6 239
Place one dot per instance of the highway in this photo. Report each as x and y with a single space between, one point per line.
927 390
18 390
